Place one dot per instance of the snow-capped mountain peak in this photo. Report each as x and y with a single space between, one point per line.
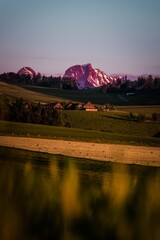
27 71
88 77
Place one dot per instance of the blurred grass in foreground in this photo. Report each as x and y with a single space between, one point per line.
54 197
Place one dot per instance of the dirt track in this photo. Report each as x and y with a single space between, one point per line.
149 156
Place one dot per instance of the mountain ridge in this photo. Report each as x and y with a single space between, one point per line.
88 77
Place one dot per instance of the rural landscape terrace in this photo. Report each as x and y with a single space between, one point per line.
117 110
79 120
59 136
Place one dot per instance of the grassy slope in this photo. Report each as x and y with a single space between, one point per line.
111 122
144 109
93 95
12 91
135 104
43 131
96 97
89 126
42 94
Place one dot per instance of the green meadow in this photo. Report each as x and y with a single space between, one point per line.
116 126
103 195
78 134
97 97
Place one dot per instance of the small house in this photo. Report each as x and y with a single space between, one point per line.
89 107
58 106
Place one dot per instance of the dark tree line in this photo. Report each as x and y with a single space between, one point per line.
123 86
27 112
39 80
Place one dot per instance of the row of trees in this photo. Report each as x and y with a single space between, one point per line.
121 85
26 112
142 83
39 80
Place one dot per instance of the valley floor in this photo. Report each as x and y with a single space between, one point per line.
148 156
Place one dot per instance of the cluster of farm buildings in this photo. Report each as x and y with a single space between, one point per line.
72 106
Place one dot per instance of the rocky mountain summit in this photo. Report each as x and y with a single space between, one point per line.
88 77
27 71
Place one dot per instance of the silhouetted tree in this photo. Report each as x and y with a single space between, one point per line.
141 117
156 117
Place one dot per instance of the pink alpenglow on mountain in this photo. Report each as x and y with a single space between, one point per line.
27 71
88 77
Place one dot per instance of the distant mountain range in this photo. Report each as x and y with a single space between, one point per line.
88 77
129 76
27 71
85 75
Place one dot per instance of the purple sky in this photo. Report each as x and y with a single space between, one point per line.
116 36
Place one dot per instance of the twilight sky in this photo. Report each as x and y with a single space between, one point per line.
116 36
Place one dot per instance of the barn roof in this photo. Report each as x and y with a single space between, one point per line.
89 105
58 106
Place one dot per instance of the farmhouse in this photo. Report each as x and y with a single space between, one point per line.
58 106
73 106
89 107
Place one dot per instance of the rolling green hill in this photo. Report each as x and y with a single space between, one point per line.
136 103
12 91
45 94
149 97
113 126
78 134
